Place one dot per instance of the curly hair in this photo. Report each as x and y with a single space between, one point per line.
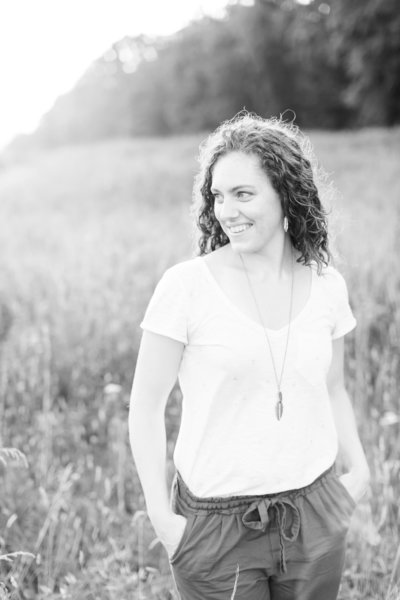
286 157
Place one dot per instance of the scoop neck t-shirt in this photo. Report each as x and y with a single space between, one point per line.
230 441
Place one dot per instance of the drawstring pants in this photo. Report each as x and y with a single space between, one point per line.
285 546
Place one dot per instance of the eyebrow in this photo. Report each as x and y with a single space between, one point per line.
235 188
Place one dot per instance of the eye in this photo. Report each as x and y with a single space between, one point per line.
217 197
243 195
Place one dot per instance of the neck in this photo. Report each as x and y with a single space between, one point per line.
274 263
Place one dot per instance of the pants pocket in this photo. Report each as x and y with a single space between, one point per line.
351 503
182 542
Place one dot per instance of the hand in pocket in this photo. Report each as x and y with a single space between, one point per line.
354 486
171 533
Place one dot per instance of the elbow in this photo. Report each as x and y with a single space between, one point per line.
366 474
336 390
144 416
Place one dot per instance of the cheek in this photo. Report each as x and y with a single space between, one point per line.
217 212
272 217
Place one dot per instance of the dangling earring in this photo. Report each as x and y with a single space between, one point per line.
285 224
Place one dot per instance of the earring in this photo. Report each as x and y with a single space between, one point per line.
285 224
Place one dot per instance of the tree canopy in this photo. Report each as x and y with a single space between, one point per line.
334 63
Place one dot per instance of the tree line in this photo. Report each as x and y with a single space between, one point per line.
334 63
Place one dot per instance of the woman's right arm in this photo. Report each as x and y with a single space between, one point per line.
156 372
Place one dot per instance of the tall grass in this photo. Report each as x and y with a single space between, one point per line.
85 234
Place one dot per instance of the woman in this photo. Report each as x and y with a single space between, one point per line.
253 328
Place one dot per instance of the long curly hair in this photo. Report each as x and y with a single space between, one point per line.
286 157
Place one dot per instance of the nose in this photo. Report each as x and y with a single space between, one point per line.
228 210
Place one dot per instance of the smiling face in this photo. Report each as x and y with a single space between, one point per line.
246 205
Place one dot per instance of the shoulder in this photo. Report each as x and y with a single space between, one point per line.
176 287
331 275
184 274
333 282
185 269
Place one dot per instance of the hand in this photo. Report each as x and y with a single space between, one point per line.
356 483
170 530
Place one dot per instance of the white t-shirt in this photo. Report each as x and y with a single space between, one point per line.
230 441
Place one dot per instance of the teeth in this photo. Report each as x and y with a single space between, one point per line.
239 228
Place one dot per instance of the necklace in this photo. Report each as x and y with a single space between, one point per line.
279 404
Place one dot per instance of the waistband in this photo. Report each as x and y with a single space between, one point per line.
257 509
236 504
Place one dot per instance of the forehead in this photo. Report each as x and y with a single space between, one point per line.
237 168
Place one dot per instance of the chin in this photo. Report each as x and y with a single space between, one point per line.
242 247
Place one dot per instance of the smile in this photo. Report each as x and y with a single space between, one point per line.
235 229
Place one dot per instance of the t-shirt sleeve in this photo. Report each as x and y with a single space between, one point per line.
167 310
344 320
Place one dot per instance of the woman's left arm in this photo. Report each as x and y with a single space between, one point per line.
356 480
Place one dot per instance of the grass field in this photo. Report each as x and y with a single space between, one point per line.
85 233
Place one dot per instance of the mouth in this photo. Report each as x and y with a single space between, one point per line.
239 229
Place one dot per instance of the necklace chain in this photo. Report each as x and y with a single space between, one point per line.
279 405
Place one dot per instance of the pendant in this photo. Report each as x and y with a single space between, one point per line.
279 406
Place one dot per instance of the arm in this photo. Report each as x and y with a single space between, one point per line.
357 478
155 374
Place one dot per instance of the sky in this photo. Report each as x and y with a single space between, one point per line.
46 46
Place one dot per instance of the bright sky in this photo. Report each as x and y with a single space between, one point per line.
46 45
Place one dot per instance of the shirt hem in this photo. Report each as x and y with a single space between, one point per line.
165 333
344 329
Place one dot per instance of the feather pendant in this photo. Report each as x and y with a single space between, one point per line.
279 406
